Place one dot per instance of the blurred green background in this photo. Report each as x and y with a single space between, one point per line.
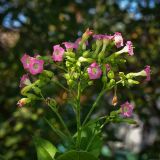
34 27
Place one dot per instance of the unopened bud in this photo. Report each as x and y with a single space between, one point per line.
110 74
114 100
23 102
131 81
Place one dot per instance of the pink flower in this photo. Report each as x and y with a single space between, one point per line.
126 109
129 48
94 71
108 37
25 61
118 39
98 36
24 81
58 53
148 73
69 45
102 36
36 66
108 67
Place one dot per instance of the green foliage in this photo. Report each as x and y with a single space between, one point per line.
45 149
77 155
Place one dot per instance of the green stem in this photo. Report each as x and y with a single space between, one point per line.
53 108
78 110
94 105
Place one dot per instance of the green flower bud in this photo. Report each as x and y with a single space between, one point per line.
70 82
67 76
70 54
68 64
110 74
132 82
90 83
86 53
48 73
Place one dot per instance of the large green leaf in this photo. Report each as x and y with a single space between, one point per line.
77 155
45 149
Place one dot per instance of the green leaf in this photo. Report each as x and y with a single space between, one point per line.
91 139
45 149
77 155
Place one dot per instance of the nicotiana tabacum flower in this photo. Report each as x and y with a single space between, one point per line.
25 61
24 81
93 59
127 109
32 64
36 66
94 71
58 53
144 73
127 49
69 45
118 39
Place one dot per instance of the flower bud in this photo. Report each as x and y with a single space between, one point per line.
23 102
90 83
48 73
86 34
85 54
70 82
110 74
70 54
114 100
131 82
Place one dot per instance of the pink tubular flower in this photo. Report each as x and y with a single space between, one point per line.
108 67
36 66
108 37
94 71
148 73
69 45
24 81
118 39
25 61
98 36
126 109
129 48
58 53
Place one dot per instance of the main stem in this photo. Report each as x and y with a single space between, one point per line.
78 109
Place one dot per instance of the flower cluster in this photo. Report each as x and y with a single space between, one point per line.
32 64
87 59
